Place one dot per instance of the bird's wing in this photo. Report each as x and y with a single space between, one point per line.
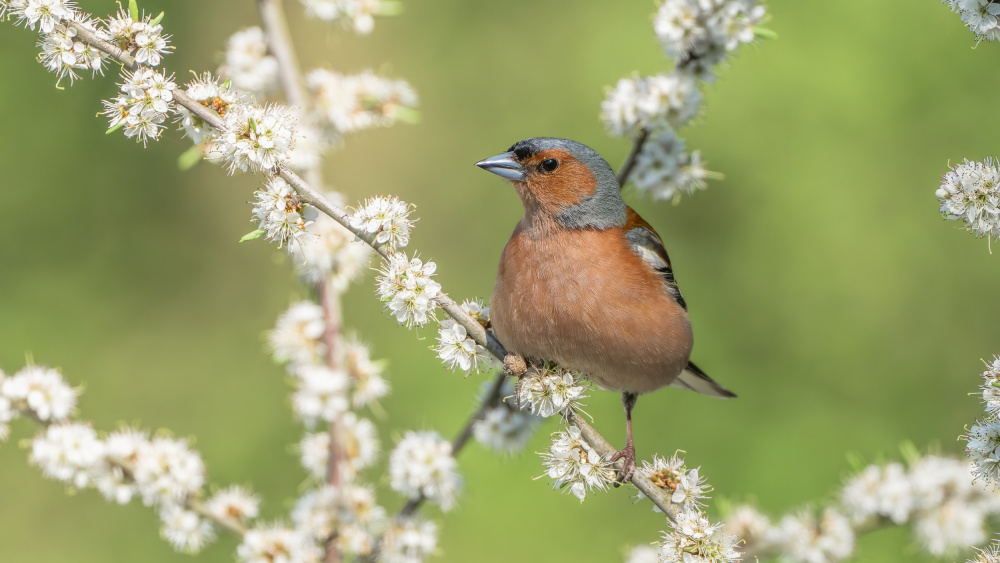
648 245
694 379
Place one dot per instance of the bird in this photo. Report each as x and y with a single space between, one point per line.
586 283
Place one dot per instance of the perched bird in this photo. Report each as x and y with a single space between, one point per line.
586 283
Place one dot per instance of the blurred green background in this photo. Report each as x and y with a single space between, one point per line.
823 285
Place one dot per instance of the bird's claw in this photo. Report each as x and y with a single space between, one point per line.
627 457
515 366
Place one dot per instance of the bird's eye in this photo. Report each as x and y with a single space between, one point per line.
549 164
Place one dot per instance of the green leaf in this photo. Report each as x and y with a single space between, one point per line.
407 115
910 452
115 128
995 383
253 125
856 461
133 10
157 19
253 235
764 33
189 158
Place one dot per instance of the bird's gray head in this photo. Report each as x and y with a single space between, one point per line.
564 179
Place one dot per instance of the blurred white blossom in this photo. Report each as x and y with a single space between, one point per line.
422 464
40 391
355 14
655 102
247 63
298 334
233 503
185 530
705 29
802 539
273 544
351 103
409 541
665 170
366 374
167 471
321 394
68 452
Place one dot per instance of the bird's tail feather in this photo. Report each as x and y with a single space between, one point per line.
696 380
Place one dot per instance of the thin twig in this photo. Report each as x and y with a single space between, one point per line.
280 43
332 319
633 155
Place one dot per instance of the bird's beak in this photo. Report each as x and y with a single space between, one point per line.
503 165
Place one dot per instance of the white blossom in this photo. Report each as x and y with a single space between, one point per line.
62 54
185 530
991 386
671 474
552 390
407 289
980 16
210 92
665 170
121 449
298 334
68 452
505 430
314 453
44 13
456 349
879 491
693 29
422 463
145 101
989 555
951 527
970 192
575 466
653 102
166 471
321 394
801 539
144 39
385 217
247 62
351 511
746 523
41 391
281 214
696 540
233 503
643 554
255 138
983 448
409 541
275 544
352 103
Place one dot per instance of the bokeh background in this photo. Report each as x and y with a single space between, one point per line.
823 285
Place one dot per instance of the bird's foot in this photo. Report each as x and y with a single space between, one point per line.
627 456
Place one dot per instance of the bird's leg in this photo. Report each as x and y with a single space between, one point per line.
515 366
627 455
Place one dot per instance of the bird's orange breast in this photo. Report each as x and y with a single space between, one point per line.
584 299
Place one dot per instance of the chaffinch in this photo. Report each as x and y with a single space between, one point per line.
585 282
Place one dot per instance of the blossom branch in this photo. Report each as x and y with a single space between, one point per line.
309 195
626 169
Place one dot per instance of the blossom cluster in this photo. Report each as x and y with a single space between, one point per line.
386 218
457 350
407 289
574 465
142 37
970 192
695 539
697 35
981 16
145 102
422 464
63 53
983 438
552 390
